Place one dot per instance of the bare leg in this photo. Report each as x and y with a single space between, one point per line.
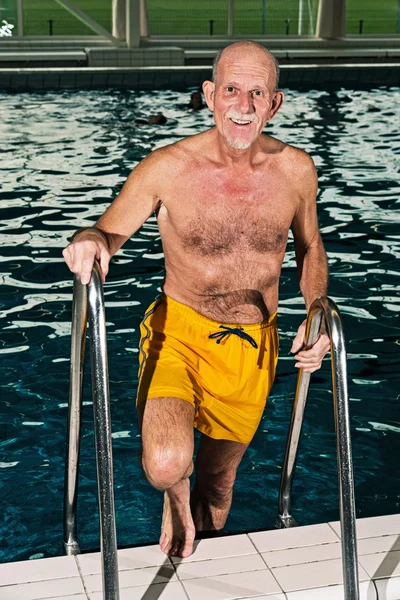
167 437
216 465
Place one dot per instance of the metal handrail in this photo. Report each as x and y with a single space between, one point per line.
325 307
88 301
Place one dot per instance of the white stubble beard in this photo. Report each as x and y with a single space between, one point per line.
238 145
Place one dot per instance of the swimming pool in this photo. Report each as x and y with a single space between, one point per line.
64 157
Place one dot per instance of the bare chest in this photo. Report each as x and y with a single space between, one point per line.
213 218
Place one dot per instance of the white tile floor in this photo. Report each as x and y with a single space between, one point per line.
303 563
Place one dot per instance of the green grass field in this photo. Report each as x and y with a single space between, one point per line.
192 17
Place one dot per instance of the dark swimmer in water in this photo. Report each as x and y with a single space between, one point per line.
159 119
196 101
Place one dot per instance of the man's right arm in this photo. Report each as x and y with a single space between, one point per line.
137 200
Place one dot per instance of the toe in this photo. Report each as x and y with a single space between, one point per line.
186 548
175 547
165 543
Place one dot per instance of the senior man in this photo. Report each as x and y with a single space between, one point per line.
225 200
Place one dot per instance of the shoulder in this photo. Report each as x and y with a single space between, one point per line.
299 168
291 158
157 159
294 164
169 160
299 164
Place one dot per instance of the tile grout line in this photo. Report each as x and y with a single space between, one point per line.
335 532
171 562
21 583
371 579
184 589
81 576
270 570
179 579
182 582
255 597
177 576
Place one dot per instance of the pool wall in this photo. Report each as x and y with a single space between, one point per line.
316 76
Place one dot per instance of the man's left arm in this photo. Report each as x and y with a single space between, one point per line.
312 266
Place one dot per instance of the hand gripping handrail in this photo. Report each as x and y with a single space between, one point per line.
326 307
87 302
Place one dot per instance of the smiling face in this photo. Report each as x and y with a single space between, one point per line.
243 97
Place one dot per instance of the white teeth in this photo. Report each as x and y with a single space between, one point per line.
240 122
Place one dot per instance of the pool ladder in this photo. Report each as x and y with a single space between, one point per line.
325 307
87 303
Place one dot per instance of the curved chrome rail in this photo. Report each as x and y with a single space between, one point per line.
324 307
88 301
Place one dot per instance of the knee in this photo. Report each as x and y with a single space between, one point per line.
164 467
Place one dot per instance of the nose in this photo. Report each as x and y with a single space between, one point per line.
246 103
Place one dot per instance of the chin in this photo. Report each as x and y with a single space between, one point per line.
238 144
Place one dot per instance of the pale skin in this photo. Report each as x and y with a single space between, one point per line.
225 201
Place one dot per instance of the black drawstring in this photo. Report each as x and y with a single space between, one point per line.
219 335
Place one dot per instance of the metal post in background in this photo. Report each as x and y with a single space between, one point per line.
20 18
310 19
264 17
305 25
144 19
300 28
119 19
133 23
327 308
398 17
331 20
230 17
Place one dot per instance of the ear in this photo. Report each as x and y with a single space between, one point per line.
277 102
209 91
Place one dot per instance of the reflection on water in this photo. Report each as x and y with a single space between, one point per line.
64 156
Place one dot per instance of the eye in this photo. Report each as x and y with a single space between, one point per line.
257 93
229 88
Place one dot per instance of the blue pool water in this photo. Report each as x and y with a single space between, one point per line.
64 156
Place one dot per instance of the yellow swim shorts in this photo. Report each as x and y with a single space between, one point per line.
224 371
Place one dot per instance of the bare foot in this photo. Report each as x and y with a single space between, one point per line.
177 530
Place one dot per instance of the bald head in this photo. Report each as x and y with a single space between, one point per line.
252 47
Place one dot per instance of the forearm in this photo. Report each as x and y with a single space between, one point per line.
313 272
